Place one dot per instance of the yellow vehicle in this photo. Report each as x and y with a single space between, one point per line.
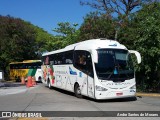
23 69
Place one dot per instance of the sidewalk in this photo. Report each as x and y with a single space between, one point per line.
11 88
10 84
138 94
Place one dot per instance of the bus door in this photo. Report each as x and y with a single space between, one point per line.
90 75
83 63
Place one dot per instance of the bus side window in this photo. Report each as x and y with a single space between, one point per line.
79 60
83 62
58 59
68 57
51 59
46 60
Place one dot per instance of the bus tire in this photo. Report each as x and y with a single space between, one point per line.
49 84
77 91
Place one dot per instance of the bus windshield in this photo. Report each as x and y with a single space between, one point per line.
33 65
114 64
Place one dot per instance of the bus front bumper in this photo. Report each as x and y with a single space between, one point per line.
115 94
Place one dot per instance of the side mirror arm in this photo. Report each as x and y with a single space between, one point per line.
138 55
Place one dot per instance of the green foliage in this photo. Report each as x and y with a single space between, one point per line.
143 34
67 34
20 40
65 28
16 41
97 26
44 41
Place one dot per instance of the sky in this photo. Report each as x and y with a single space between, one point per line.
45 14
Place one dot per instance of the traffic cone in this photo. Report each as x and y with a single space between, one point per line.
29 82
34 81
22 81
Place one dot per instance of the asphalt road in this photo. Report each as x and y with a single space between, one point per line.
40 98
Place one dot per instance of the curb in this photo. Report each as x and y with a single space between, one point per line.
148 94
13 84
12 90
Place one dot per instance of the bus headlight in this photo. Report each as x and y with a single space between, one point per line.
99 88
133 87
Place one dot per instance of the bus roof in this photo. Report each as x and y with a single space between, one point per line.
26 61
90 45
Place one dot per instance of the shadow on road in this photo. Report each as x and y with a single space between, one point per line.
61 91
10 84
129 99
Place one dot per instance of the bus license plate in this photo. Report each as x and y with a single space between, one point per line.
119 93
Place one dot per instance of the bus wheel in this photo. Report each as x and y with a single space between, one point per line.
77 91
49 84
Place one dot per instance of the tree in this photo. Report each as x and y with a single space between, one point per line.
119 7
97 26
44 41
117 10
17 41
144 36
21 40
67 34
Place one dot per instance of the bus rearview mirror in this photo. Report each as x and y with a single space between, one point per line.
138 56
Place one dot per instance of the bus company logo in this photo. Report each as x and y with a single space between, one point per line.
72 72
6 114
80 74
122 83
118 84
110 84
113 45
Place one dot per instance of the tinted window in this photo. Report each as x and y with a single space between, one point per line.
83 62
59 58
46 60
35 65
68 57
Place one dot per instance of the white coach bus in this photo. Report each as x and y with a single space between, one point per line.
97 68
